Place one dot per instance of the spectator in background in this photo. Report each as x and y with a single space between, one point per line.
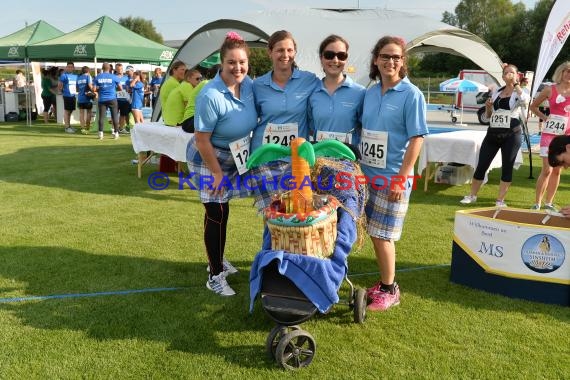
503 110
188 117
106 85
146 89
67 87
173 110
155 83
137 96
85 99
123 97
559 156
19 81
176 75
48 94
556 123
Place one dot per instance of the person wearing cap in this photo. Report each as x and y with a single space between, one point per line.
559 155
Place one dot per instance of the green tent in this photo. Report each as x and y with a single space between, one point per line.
102 39
13 46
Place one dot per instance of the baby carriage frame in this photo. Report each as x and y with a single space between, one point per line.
287 343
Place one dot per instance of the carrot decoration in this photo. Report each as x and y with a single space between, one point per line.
303 156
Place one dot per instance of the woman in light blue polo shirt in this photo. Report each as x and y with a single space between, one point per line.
393 125
281 99
224 118
335 107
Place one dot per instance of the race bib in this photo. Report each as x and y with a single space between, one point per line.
281 134
373 148
500 119
555 124
340 136
240 153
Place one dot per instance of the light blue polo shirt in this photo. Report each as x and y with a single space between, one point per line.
69 81
223 115
339 112
280 106
401 112
106 84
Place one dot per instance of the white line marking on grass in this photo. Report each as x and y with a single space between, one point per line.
83 295
157 290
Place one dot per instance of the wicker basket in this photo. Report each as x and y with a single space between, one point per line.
317 240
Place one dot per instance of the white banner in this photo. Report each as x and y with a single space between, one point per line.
555 34
516 250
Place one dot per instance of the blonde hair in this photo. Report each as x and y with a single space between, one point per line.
557 76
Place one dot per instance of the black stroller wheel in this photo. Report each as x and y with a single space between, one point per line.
275 336
360 306
295 350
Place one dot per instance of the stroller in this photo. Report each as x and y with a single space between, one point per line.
294 287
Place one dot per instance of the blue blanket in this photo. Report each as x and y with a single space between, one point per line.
318 279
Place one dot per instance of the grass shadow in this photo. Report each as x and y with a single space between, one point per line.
189 319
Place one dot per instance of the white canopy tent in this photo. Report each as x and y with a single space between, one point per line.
360 27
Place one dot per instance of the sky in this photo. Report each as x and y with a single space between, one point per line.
177 19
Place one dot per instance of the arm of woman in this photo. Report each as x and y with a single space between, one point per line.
410 157
542 96
206 149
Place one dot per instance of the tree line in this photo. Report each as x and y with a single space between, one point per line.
514 32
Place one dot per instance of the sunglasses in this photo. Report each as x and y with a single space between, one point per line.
386 57
198 78
341 55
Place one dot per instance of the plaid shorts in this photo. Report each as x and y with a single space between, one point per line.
269 181
234 185
385 218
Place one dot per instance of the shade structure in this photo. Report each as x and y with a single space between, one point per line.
102 39
462 85
13 46
211 61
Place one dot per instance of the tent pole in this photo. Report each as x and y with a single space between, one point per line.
27 93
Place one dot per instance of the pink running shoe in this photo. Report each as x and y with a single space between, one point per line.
382 300
375 288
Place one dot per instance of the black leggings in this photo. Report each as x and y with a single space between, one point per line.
112 104
215 226
509 143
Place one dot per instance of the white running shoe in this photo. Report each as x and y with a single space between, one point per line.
228 268
100 135
116 134
468 199
70 130
499 203
219 285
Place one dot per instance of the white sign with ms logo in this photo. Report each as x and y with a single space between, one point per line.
80 51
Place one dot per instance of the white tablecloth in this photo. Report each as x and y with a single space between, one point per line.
159 138
458 146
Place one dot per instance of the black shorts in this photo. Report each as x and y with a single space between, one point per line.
188 125
124 107
85 106
48 102
544 110
69 103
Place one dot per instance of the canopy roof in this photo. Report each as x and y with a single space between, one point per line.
360 27
102 39
13 46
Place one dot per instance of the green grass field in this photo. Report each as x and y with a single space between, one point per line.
75 219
